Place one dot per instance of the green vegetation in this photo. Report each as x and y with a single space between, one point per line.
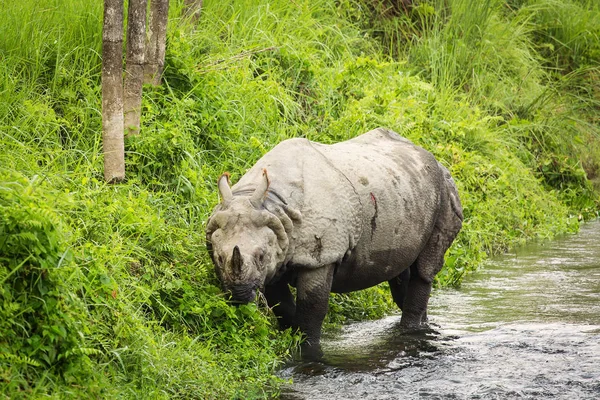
107 291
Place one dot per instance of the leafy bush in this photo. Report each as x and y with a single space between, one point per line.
40 317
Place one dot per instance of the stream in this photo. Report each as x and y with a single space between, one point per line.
526 325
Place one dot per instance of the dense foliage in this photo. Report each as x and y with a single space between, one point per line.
107 291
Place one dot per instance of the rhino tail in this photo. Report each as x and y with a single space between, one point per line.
447 226
453 197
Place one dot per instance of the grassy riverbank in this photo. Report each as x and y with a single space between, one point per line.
107 291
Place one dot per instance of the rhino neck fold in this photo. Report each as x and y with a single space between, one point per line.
288 216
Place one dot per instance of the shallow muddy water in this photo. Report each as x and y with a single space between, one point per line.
525 326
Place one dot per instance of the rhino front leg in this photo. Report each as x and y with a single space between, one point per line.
280 299
312 301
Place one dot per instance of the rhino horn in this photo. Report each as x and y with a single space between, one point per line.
261 191
224 189
236 261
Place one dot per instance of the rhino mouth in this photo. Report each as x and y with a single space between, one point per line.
242 294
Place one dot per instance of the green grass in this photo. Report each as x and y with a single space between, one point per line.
107 291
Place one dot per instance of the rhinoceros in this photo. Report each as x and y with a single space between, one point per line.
335 218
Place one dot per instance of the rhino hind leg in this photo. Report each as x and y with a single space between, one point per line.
431 259
414 307
281 301
423 270
427 265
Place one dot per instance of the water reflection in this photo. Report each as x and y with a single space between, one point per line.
527 325
372 345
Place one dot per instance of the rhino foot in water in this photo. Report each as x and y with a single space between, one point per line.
335 218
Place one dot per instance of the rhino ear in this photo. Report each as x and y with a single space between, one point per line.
261 191
224 189
236 260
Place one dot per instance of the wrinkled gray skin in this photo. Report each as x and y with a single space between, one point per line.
335 218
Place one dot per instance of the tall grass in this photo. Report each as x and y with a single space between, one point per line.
107 291
567 33
533 64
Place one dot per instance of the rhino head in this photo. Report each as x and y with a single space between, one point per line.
247 242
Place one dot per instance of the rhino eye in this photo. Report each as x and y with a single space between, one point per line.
260 256
220 259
